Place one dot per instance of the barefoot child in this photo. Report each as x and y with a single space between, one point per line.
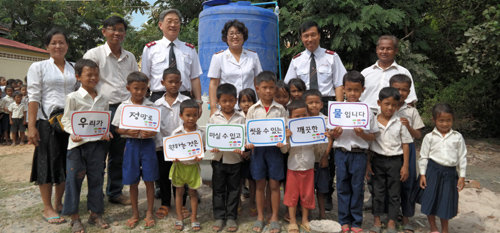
390 160
442 151
17 118
266 161
139 157
351 159
411 120
187 172
226 166
86 156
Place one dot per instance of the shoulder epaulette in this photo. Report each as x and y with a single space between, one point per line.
219 52
150 44
189 45
296 56
251 50
329 52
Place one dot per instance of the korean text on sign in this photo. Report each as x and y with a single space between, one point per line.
348 115
225 137
90 124
140 117
183 147
307 131
266 132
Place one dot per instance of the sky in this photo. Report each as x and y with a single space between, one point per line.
138 19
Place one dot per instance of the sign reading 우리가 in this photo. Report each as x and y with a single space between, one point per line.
266 132
307 131
90 124
348 115
183 147
140 117
225 137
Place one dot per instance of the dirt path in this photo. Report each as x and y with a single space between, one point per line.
20 203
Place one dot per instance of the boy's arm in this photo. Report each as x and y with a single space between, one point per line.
415 133
406 158
365 136
65 120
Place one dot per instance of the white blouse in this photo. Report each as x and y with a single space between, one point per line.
48 86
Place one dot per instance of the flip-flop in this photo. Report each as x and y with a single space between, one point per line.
98 221
274 225
131 223
356 229
346 229
52 218
77 226
195 226
231 225
162 212
293 228
258 224
218 224
408 227
149 223
307 228
179 225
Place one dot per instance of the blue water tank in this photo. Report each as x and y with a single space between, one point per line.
262 33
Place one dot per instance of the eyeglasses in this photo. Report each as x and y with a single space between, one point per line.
232 34
112 29
174 22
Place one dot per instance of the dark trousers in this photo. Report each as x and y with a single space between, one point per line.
351 169
164 182
331 166
114 149
325 100
226 180
407 187
87 159
386 181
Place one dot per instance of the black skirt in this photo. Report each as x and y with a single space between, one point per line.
49 159
440 197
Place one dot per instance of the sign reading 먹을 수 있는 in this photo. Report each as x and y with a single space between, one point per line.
266 132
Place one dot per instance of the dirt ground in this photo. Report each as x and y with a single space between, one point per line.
20 203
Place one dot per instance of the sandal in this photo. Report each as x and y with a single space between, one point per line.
274 227
97 220
346 229
408 228
162 212
149 223
356 229
58 220
306 227
232 226
293 228
218 225
195 226
376 229
259 224
77 226
131 223
179 225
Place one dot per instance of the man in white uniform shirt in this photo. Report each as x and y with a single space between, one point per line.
115 64
377 75
168 52
319 68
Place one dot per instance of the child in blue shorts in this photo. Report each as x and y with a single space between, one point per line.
139 157
266 161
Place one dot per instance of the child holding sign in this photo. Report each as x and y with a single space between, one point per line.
266 161
351 146
139 157
86 156
411 120
226 165
187 172
389 164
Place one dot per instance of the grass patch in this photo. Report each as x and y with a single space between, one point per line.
10 189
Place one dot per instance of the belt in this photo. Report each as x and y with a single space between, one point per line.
353 150
387 157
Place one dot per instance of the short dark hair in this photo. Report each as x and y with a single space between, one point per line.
296 104
8 87
10 82
2 77
311 92
248 92
16 93
306 25
52 32
226 89
281 85
388 92
354 76
171 70
442 108
137 76
114 20
265 76
298 83
238 25
189 103
84 63
400 78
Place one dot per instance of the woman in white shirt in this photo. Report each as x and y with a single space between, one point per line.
49 82
234 65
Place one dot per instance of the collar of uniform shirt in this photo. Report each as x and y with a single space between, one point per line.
167 42
236 113
108 51
436 131
317 53
393 65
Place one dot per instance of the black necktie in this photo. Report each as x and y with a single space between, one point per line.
171 56
313 75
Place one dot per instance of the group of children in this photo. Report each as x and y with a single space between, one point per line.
13 111
383 154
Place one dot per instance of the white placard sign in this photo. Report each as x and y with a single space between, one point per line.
348 115
183 147
225 137
307 131
266 132
90 124
140 117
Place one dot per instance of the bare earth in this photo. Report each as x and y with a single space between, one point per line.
20 203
